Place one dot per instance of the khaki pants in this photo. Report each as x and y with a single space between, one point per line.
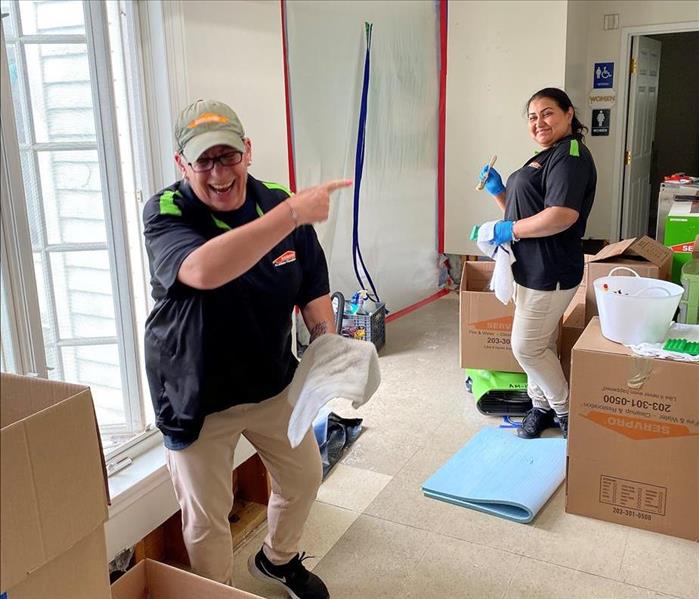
534 338
201 474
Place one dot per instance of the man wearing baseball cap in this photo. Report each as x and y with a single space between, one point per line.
230 257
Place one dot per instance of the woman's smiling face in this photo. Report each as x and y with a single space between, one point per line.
547 122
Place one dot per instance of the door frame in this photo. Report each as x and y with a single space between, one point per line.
627 33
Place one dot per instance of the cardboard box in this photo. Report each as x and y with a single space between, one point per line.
486 324
573 327
80 572
154 580
53 492
578 298
642 254
633 443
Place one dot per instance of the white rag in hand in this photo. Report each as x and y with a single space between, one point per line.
331 367
502 282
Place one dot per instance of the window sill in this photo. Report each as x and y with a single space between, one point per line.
143 496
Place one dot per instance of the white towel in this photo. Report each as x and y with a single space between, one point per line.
690 332
502 281
331 367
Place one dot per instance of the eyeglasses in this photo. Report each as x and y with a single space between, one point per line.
203 165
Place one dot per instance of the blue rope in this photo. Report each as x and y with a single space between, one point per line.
358 169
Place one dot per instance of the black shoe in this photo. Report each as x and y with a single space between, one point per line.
535 422
292 576
563 424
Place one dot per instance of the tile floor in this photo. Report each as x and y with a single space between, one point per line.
375 535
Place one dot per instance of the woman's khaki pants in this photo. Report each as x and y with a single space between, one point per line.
201 474
534 344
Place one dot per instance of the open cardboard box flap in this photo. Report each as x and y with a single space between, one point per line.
642 247
155 580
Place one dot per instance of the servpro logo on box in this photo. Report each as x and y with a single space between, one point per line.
503 323
637 428
686 247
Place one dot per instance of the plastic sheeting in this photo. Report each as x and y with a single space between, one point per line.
398 202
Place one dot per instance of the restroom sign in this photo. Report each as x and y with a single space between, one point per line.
601 120
602 98
603 75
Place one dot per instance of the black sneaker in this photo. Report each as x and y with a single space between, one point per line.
535 422
563 424
292 576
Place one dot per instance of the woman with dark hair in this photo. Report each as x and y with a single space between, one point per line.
546 205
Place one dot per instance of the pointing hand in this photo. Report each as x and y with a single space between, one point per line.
312 205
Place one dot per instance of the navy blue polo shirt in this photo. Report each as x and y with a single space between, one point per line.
562 175
208 350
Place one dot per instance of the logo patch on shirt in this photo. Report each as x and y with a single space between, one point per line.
285 258
534 164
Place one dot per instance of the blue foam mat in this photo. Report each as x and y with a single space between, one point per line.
498 473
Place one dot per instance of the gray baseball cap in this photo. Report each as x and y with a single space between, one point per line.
205 124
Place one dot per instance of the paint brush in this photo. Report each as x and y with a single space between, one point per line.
484 178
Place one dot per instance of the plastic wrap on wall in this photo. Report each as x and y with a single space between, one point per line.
326 48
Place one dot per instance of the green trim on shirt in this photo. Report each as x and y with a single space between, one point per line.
167 203
220 224
269 185
574 148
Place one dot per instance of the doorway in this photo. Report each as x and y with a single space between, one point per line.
676 140
662 123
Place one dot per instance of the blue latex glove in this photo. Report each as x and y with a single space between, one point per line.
493 184
502 233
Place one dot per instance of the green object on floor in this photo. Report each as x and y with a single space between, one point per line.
485 381
682 346
498 393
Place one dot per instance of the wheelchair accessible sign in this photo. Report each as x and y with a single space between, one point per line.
603 75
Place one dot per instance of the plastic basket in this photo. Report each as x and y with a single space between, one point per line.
635 309
367 327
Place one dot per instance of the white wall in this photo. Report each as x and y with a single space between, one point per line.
576 75
233 53
605 46
499 54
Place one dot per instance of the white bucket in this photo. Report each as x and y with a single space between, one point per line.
636 309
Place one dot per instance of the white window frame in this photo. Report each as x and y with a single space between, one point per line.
17 266
23 319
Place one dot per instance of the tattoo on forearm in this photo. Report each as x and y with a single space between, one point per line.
319 329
